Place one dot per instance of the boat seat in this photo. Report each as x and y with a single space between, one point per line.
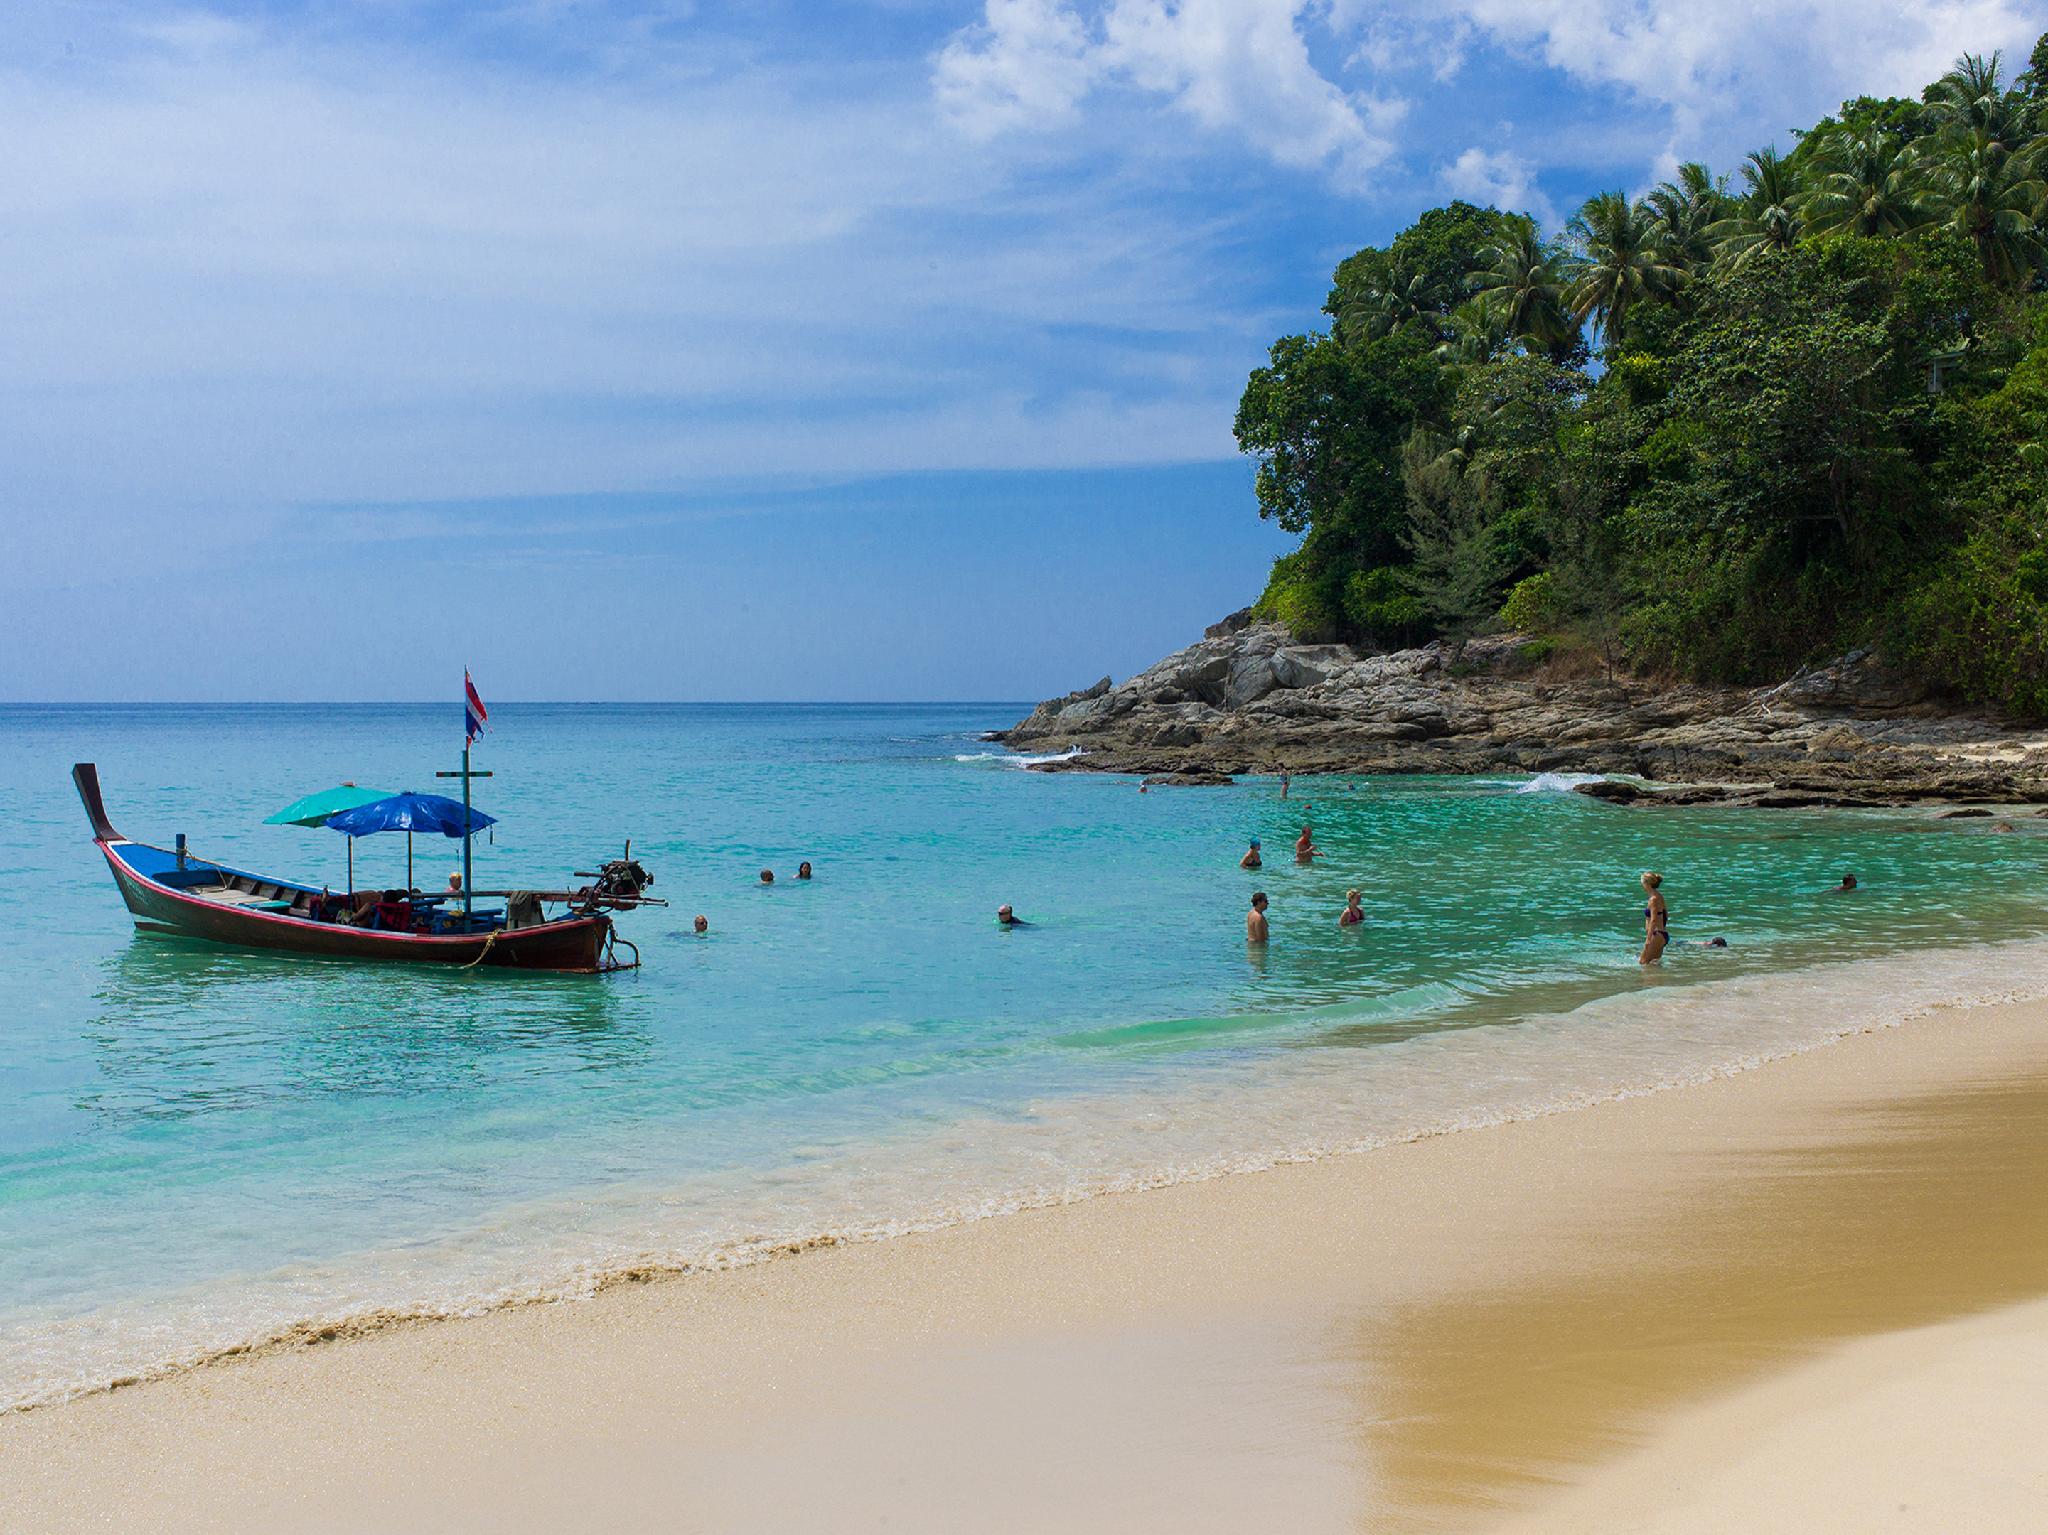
187 879
229 895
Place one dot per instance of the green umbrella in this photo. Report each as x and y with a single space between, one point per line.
315 809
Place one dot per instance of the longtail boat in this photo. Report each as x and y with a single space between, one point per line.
170 891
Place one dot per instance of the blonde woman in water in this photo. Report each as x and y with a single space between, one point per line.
1656 921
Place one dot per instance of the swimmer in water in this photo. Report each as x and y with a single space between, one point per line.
1656 921
1251 859
803 871
1354 914
1005 917
702 924
1255 920
767 876
1848 883
1305 849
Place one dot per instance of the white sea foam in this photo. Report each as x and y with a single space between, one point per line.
1018 759
1558 783
1293 1105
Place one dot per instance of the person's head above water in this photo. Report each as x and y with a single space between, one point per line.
702 924
1258 900
1005 915
1255 842
767 876
1351 898
1848 882
1652 881
803 870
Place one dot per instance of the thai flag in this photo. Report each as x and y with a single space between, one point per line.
474 715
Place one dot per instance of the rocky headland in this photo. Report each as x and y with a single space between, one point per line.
1247 699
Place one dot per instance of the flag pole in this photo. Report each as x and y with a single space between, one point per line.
473 717
468 884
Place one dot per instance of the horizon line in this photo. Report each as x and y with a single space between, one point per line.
553 703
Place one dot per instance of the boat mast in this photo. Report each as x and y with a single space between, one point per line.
468 884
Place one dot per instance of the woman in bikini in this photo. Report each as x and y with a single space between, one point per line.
1656 921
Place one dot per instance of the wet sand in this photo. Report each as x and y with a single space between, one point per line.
1561 1323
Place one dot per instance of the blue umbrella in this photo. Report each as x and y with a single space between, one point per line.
409 812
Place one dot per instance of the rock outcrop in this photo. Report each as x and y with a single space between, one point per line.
1245 698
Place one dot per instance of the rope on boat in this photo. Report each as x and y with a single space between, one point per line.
489 939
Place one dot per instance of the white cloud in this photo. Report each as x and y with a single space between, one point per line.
1027 64
1739 72
1499 177
1238 67
244 269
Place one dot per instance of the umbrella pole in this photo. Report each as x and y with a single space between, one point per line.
351 870
408 862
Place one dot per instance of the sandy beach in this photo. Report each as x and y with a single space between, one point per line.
1804 1297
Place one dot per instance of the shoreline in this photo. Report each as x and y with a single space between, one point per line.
1306 1286
1248 698
1328 1117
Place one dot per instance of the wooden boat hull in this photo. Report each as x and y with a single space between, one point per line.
148 889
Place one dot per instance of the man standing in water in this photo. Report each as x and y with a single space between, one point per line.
1305 849
1255 919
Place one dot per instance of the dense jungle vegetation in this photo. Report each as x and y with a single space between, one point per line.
1718 431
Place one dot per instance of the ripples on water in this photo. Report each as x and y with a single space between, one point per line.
196 1143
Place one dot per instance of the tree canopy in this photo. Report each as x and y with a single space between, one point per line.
1737 425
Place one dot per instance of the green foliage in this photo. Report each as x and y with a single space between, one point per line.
1382 609
1980 619
1532 605
1822 419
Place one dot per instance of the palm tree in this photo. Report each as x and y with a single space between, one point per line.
1767 218
1984 172
1523 281
1620 265
1381 308
1476 334
1685 209
1971 100
1869 184
1994 195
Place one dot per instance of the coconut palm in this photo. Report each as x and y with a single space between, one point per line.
1382 307
1685 210
1620 263
1971 99
1523 281
1866 184
1476 334
1994 195
1767 218
1984 172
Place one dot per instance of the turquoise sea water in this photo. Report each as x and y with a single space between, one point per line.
199 1147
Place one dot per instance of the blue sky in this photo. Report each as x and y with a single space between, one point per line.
828 350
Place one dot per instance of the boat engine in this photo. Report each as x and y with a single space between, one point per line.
622 877
619 882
